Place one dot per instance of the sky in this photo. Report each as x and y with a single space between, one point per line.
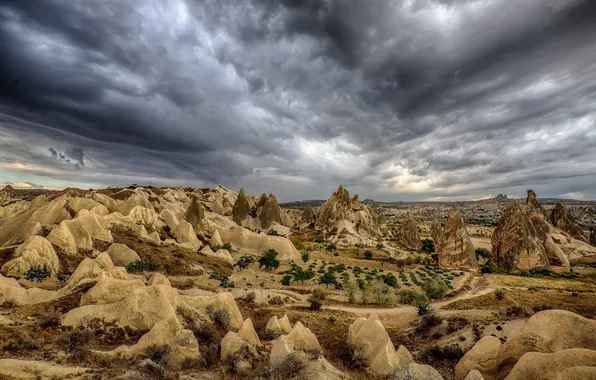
396 100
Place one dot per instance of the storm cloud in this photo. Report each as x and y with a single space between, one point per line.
394 99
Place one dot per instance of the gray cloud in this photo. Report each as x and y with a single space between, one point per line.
398 100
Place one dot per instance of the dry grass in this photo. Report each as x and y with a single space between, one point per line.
582 304
542 283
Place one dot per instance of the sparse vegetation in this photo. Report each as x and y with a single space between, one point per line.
434 288
368 255
37 273
141 266
269 260
244 261
428 245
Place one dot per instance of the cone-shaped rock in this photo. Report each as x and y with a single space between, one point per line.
436 233
516 244
410 236
538 216
308 217
195 215
563 220
270 213
262 200
241 208
456 247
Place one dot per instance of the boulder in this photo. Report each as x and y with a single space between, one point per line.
140 310
548 331
482 357
575 363
10 289
409 235
203 304
121 255
371 343
247 332
241 208
248 242
169 332
564 221
80 203
216 239
302 339
285 324
474 375
516 244
91 268
158 279
456 247
169 219
415 371
109 290
35 251
185 235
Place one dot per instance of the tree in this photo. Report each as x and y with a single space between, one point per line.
428 245
328 279
390 280
301 274
351 289
305 256
269 260
286 280
368 255
317 299
244 262
434 288
482 252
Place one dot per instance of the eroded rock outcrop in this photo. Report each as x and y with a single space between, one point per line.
570 364
456 247
35 251
483 357
370 342
564 221
195 215
436 233
241 208
248 242
409 235
515 242
308 217
121 255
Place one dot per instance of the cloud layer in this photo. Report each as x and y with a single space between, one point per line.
394 99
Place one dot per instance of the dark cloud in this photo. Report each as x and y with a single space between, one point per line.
394 99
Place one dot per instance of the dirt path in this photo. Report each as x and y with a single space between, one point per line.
478 287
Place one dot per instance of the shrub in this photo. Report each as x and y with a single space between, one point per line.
159 353
423 308
380 246
269 260
250 297
411 297
436 354
434 288
428 245
368 255
216 247
273 233
409 260
390 280
8 304
290 366
244 261
50 319
305 256
482 252
328 278
74 340
516 311
224 281
37 273
320 239
317 298
299 244
428 321
351 289
276 300
220 316
141 266
286 280
499 294
331 247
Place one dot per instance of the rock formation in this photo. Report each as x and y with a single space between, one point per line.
516 244
247 242
436 233
456 247
121 255
241 208
35 251
343 223
482 357
570 364
564 221
270 213
195 215
308 218
409 235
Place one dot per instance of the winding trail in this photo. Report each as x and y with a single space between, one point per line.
477 289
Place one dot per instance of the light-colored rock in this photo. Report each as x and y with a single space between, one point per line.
456 247
185 234
483 357
91 268
32 369
80 203
140 310
216 239
248 242
370 341
109 290
169 219
158 279
273 327
548 331
474 375
224 300
182 343
302 338
247 332
121 255
154 237
35 251
63 238
409 234
241 208
553 366
285 324
195 215
10 289
415 371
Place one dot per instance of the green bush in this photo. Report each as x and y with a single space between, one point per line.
368 255
331 247
328 278
216 247
482 252
320 239
434 288
409 260
428 245
224 281
269 260
305 256
141 266
286 280
317 299
499 294
244 261
380 246
389 280
411 297
423 308
37 273
273 233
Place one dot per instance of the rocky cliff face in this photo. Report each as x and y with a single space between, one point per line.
346 221
456 248
409 235
516 243
564 221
